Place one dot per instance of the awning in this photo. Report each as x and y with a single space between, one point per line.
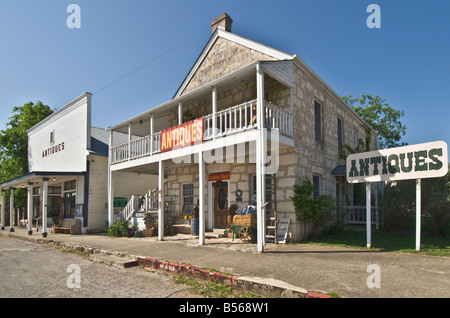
339 170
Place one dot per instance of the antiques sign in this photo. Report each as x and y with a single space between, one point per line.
183 135
428 160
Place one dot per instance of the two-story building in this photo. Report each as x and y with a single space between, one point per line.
244 126
68 172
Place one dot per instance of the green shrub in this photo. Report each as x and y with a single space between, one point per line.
316 211
119 228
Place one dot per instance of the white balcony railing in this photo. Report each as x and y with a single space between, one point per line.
228 121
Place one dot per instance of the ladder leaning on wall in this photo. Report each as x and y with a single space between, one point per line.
278 229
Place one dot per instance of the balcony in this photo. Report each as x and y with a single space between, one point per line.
229 121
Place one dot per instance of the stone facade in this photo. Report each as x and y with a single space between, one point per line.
308 157
223 58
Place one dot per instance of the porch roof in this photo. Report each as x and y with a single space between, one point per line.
159 111
22 181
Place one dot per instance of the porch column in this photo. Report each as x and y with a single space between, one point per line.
201 196
11 209
214 111
152 131
180 113
129 142
44 206
110 183
260 159
161 201
3 210
30 207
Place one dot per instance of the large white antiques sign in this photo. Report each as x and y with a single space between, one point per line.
419 161
428 160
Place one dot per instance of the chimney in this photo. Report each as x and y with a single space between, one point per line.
224 21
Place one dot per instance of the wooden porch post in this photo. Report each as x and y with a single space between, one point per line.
260 171
180 113
11 209
214 111
161 201
3 209
110 183
201 195
44 206
152 131
129 142
30 207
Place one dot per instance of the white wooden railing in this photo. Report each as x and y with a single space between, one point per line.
228 121
231 120
277 118
357 215
137 203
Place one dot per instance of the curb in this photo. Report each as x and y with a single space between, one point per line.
266 287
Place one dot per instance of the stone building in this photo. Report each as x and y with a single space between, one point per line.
244 126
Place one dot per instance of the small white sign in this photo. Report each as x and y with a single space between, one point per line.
428 160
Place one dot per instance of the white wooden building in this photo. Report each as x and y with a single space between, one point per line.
245 125
67 179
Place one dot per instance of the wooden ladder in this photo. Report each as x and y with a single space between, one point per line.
278 229
272 229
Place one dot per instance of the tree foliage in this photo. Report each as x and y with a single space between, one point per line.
399 203
384 119
14 141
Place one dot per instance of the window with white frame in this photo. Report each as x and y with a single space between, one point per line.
188 198
52 137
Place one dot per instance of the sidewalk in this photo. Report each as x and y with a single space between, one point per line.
302 268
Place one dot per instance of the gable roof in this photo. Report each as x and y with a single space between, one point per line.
222 33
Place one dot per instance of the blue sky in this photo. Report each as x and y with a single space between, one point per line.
406 61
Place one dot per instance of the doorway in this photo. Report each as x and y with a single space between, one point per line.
220 203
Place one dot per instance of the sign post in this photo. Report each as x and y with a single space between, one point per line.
428 160
418 212
368 215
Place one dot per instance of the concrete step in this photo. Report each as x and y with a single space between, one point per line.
112 260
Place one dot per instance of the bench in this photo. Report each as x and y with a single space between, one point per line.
68 227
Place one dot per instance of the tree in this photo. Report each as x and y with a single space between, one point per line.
436 203
14 142
384 119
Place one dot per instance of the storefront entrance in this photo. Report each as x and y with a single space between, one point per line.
220 204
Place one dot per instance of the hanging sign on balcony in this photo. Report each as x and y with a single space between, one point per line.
184 135
410 162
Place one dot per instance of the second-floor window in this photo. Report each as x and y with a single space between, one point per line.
318 120
340 132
